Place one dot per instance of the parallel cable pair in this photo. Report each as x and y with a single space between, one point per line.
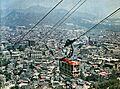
64 18
31 29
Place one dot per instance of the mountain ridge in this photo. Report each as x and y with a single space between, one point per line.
32 14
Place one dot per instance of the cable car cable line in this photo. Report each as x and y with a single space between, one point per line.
72 41
37 23
63 16
60 21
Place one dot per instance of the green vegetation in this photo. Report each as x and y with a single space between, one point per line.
59 87
112 84
15 87
103 83
92 78
0 83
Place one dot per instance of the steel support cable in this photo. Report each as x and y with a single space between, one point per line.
63 16
63 20
72 41
38 23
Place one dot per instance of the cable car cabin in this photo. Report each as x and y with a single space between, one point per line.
69 68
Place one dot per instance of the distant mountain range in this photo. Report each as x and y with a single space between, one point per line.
32 14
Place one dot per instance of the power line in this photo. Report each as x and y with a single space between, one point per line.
38 23
72 41
63 20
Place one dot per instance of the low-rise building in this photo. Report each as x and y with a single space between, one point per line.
69 68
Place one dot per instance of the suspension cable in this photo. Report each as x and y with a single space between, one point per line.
63 20
72 41
37 23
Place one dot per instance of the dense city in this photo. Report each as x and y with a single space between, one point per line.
33 64
80 53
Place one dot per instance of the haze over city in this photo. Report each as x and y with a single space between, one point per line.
98 8
60 44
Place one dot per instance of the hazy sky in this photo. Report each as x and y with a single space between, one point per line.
99 8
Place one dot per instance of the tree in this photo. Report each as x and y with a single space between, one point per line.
92 78
112 84
0 83
15 87
59 87
82 75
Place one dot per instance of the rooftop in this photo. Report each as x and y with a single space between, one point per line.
71 62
